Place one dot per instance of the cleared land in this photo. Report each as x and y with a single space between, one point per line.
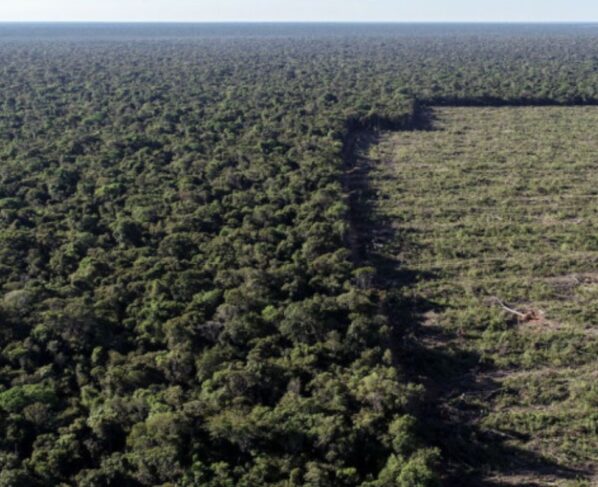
486 229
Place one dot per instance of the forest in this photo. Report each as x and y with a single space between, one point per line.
184 298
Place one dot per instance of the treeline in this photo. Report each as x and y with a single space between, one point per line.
178 302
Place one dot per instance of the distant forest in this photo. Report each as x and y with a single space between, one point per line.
179 299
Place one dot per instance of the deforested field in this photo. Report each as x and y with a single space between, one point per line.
486 227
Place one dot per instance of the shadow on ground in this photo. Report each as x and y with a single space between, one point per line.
458 382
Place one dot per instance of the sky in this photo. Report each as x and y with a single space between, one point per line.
301 10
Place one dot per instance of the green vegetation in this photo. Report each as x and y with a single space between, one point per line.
495 208
182 295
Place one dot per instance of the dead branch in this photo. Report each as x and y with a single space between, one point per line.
528 316
509 310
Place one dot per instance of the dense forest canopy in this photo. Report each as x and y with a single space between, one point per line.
178 298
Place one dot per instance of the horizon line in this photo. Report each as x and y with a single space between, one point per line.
386 22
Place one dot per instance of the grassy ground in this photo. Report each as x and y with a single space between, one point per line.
488 235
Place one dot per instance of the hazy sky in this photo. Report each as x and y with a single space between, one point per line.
298 10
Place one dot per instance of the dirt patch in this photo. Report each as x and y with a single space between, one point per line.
570 281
